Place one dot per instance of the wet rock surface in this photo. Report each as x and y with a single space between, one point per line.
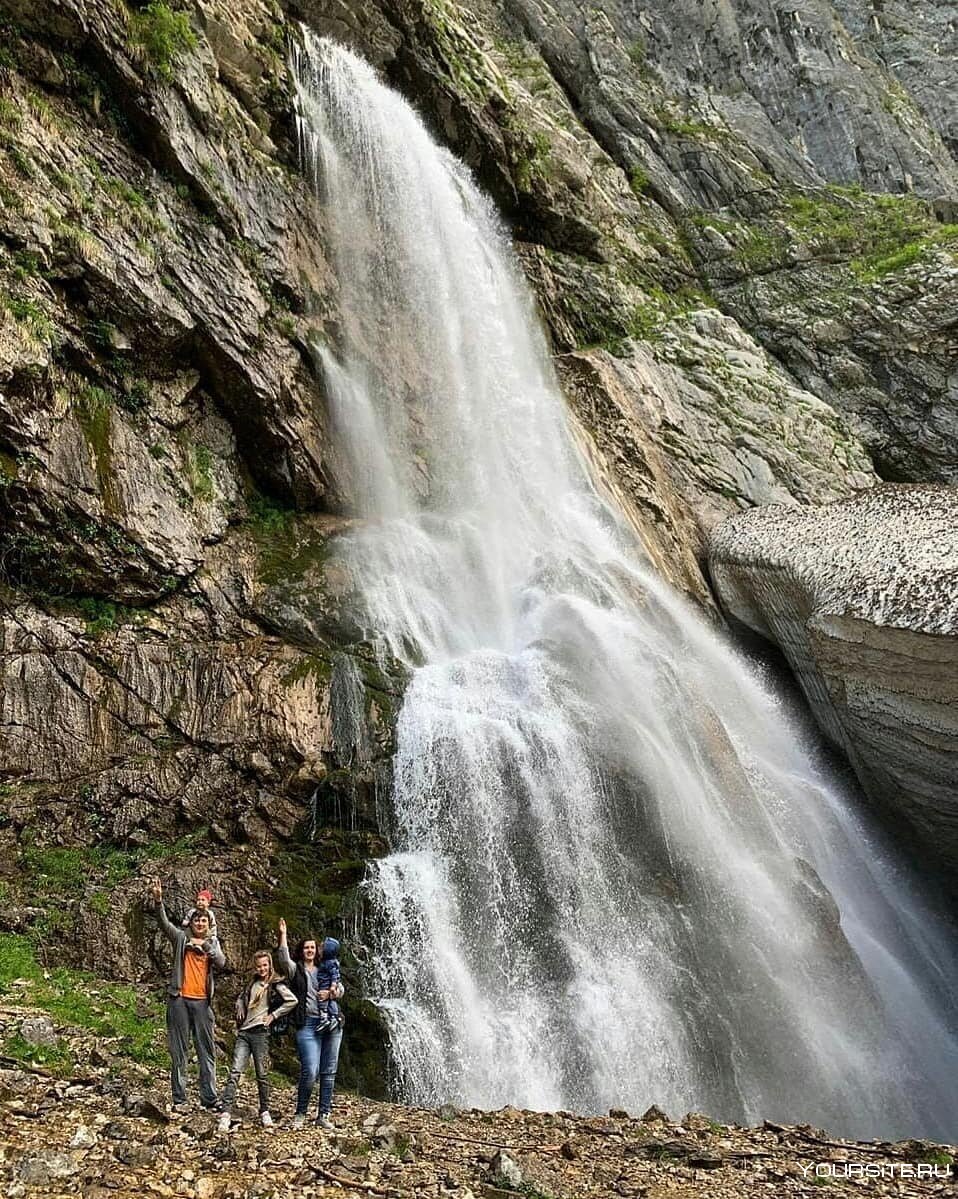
862 598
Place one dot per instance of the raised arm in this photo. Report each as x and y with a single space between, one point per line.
173 933
284 961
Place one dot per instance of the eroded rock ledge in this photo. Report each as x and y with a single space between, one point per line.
862 598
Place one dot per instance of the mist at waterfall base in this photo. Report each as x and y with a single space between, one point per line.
617 877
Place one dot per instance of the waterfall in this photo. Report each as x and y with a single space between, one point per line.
617 875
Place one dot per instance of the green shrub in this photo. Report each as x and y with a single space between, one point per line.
638 180
162 34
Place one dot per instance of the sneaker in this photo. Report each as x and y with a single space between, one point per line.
223 1124
298 1121
266 1120
323 1121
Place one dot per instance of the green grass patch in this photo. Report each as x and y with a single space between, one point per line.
74 997
638 180
468 67
27 265
65 869
9 114
869 270
39 106
135 397
162 34
532 162
267 516
846 220
199 465
647 320
19 159
637 52
310 666
29 314
682 125
71 878
123 192
877 265
55 1058
102 616
876 233
93 406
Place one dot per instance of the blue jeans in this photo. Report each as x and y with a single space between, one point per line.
318 1054
254 1043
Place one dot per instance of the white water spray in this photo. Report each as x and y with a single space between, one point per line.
610 847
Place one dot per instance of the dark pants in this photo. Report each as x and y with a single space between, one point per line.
318 1058
188 1019
254 1043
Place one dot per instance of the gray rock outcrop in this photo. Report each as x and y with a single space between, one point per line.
862 598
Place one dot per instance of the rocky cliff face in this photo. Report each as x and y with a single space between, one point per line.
734 220
862 598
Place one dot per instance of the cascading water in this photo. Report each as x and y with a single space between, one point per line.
610 847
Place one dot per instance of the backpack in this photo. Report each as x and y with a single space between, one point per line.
280 1027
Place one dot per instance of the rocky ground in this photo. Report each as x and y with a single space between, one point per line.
103 1130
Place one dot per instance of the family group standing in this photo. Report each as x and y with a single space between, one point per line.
303 994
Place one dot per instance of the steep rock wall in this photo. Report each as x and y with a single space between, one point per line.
862 598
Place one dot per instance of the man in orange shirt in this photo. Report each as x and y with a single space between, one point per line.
189 1011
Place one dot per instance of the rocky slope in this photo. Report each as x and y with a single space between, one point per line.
106 1132
733 218
862 598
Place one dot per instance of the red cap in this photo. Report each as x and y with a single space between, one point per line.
207 895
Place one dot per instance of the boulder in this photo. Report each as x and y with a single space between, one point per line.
505 1171
39 1030
862 598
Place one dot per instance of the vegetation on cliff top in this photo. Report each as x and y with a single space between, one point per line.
875 234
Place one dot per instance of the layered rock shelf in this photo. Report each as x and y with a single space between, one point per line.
862 598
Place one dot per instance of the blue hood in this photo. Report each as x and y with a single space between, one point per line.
330 948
